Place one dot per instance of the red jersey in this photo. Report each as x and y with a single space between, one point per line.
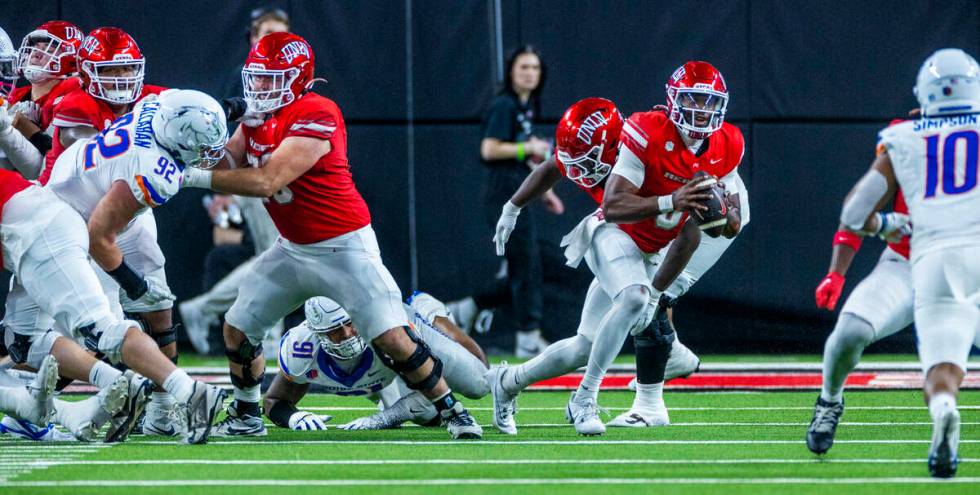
11 183
79 108
595 191
48 101
668 164
322 203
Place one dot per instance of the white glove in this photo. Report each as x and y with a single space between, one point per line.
307 421
892 227
505 225
155 294
6 118
377 421
649 313
28 109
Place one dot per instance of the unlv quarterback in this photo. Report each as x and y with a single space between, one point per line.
297 159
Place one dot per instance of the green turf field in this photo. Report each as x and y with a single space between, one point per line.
724 443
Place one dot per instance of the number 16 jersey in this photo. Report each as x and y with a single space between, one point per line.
125 151
935 162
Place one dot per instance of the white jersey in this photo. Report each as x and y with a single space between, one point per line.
935 162
125 151
302 360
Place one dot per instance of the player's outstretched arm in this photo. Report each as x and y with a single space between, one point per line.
538 182
280 406
446 326
678 255
291 159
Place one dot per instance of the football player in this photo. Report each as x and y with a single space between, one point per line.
880 306
46 58
297 159
32 403
111 69
8 65
935 161
327 351
111 180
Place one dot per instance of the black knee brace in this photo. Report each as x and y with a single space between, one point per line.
90 337
165 338
244 356
418 358
20 348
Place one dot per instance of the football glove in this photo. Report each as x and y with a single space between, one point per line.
307 421
30 110
505 225
153 294
828 291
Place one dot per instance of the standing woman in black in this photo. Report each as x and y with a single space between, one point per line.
510 150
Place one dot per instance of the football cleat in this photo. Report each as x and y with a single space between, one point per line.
40 408
84 419
584 414
202 409
504 403
197 324
460 424
124 422
823 427
945 440
529 344
638 418
164 418
26 430
681 363
240 425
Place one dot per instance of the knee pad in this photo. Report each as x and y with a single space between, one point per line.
244 356
19 346
107 337
418 358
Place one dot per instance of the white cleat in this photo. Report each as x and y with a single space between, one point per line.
584 414
943 460
637 418
84 419
460 424
504 403
201 410
197 324
164 418
681 363
40 409
25 430
530 344
123 422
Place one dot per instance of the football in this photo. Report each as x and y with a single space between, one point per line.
712 221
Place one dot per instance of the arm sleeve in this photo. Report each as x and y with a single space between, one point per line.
630 166
500 121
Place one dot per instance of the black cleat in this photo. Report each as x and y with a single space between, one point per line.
460 424
823 427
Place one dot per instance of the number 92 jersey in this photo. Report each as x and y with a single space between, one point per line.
125 151
935 162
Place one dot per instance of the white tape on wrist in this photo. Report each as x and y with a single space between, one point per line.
195 177
665 203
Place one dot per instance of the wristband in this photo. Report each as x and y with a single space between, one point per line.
848 238
195 177
520 152
281 412
130 281
665 204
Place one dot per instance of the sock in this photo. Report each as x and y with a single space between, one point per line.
559 358
941 402
649 397
589 388
102 375
842 353
445 402
179 385
162 399
248 394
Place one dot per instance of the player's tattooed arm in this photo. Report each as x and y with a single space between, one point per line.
678 255
68 135
622 203
537 183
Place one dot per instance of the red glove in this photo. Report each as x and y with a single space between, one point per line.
828 292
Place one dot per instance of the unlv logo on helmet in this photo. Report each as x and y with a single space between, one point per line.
90 44
589 126
294 49
72 33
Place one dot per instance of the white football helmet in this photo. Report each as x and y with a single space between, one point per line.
8 65
324 315
191 125
948 83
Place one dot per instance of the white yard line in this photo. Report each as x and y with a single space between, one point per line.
469 462
720 423
16 460
488 481
477 443
672 409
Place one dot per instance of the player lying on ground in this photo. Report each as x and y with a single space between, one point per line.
33 403
935 161
325 350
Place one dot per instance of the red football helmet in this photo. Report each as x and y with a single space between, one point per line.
587 140
112 66
278 70
49 51
696 99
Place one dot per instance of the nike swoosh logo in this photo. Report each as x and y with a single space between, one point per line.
715 161
169 433
635 419
416 411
